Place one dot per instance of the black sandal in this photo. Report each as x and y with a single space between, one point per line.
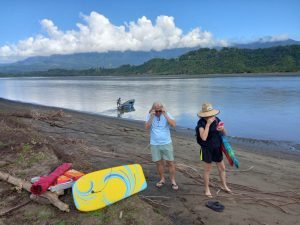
215 205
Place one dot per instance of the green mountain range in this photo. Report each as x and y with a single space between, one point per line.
225 61
115 59
81 61
202 61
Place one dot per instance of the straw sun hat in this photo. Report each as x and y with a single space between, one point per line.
208 110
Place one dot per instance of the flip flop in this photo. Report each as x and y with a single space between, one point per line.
215 205
160 184
175 187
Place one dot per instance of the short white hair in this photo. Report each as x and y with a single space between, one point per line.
156 104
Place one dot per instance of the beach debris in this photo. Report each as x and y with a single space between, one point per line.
14 208
64 181
245 170
34 114
277 200
45 182
154 202
51 197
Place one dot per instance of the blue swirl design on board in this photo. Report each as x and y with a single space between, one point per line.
122 178
84 195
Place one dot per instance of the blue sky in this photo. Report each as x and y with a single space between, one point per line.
39 27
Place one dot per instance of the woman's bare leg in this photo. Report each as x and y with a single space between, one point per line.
207 169
222 174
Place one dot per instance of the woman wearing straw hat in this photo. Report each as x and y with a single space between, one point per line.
208 136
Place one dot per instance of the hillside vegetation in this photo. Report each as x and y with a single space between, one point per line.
203 61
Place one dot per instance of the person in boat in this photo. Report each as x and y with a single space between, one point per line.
208 136
119 102
159 122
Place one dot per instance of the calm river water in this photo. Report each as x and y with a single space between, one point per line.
265 108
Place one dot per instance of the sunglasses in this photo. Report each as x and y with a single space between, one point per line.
158 111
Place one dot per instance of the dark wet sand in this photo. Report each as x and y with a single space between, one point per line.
266 187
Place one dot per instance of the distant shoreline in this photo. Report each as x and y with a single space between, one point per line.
238 75
181 76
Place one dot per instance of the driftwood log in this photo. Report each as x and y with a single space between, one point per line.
48 196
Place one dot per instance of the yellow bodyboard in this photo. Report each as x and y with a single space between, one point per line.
105 187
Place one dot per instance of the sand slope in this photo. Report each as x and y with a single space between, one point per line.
266 189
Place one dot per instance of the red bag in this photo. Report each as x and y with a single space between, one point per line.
42 185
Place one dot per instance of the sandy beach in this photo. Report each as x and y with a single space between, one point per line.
266 187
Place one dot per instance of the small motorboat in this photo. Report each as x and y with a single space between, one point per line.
126 105
121 112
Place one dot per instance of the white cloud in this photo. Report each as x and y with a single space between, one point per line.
98 34
281 37
264 39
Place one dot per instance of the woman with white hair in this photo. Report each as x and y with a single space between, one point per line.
159 121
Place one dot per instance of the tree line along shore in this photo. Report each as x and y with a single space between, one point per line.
209 62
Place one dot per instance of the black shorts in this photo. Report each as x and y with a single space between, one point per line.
209 155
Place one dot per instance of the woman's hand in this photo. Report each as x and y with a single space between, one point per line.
220 128
210 120
152 113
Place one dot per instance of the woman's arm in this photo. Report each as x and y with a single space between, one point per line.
204 132
149 122
170 121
